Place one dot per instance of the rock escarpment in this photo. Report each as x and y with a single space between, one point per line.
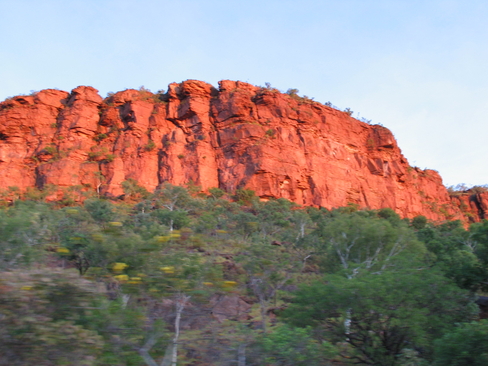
236 136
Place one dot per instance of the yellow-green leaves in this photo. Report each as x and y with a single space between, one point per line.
168 269
119 267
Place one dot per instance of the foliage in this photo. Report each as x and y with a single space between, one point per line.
139 279
100 210
245 196
380 315
42 315
24 231
462 188
151 145
419 222
216 192
134 191
357 242
466 344
100 137
289 346
459 253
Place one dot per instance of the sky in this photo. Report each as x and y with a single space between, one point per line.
418 68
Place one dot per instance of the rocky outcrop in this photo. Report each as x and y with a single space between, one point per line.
236 136
472 204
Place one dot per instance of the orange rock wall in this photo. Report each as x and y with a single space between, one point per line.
237 136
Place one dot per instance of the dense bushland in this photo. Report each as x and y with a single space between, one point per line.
181 278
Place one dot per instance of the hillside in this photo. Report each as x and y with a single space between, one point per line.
200 280
237 136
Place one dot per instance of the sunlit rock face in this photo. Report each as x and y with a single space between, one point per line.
236 136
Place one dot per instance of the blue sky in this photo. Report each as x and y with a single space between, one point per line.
417 67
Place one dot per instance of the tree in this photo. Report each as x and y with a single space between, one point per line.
268 270
24 230
246 196
466 344
419 222
179 278
125 328
459 253
42 316
387 313
100 210
216 193
290 346
479 232
357 242
273 216
172 205
133 191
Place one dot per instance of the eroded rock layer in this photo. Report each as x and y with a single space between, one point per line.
236 136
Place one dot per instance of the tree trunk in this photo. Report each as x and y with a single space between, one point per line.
263 304
144 351
241 355
180 305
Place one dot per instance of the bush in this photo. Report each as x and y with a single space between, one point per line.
150 145
100 137
348 111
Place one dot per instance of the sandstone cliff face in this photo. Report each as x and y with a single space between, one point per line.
237 136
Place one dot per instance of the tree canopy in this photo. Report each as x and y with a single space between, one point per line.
179 277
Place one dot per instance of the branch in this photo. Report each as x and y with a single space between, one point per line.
144 350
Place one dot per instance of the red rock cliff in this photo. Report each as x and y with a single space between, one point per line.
237 136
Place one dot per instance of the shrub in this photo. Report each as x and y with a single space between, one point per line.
100 137
51 150
348 111
270 132
93 155
150 145
292 92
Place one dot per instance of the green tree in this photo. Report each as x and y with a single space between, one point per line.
101 211
357 242
25 229
419 222
246 196
42 316
268 269
273 216
479 233
133 191
290 346
381 315
216 193
172 205
458 252
184 280
466 344
125 327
